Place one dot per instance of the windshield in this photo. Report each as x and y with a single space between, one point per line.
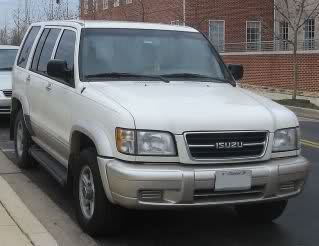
7 58
148 52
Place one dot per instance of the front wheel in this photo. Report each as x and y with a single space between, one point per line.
22 143
264 212
96 215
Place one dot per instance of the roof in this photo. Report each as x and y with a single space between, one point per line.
120 24
8 47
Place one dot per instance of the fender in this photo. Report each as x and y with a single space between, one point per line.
103 147
96 134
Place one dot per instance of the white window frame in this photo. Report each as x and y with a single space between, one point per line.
309 43
129 1
105 4
85 6
283 31
220 49
258 47
116 3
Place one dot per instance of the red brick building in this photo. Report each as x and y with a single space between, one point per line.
224 21
232 25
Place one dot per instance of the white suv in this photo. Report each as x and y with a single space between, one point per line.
7 58
148 116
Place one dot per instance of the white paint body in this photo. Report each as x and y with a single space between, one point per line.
96 109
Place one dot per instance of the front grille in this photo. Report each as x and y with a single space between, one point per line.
226 145
7 93
218 196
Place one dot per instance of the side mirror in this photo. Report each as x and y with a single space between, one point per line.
59 69
236 70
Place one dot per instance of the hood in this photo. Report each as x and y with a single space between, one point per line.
179 107
5 80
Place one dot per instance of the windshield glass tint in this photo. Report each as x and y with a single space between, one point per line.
7 58
147 52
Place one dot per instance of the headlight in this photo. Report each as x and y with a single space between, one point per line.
286 140
150 143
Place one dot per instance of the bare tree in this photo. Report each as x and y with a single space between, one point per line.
296 13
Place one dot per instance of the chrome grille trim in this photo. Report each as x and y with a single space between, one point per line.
248 157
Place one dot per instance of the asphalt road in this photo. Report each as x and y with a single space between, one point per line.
53 205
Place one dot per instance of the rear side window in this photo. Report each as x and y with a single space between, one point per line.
26 48
47 50
66 48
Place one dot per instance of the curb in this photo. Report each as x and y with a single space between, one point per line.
305 112
25 220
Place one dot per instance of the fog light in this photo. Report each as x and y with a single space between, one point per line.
151 195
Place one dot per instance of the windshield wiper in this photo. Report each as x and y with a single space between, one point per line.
133 75
196 76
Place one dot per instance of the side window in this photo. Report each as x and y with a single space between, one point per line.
66 48
26 48
38 50
47 50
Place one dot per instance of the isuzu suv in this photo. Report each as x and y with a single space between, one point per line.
147 116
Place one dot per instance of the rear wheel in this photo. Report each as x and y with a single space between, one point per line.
96 215
264 212
22 142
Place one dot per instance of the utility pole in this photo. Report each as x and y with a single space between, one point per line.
184 12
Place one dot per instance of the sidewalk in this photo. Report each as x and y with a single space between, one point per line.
10 233
18 226
278 94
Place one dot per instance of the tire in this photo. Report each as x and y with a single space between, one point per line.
22 143
105 218
264 212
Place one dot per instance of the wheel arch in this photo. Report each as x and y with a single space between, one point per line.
82 138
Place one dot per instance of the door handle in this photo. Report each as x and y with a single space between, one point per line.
28 79
49 87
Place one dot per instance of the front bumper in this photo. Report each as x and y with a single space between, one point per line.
5 105
148 186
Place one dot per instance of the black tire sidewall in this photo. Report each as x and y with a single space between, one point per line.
104 216
25 160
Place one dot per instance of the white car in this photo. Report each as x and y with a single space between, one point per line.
7 58
148 116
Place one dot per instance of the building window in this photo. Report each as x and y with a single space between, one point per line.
216 30
105 4
96 5
283 35
309 34
128 1
253 30
116 3
175 22
85 6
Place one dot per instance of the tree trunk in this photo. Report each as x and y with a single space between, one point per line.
296 67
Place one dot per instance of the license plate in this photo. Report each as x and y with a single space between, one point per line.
233 180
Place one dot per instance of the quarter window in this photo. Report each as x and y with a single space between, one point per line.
25 52
47 50
66 48
253 35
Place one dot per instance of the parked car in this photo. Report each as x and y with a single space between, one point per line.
148 116
7 57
